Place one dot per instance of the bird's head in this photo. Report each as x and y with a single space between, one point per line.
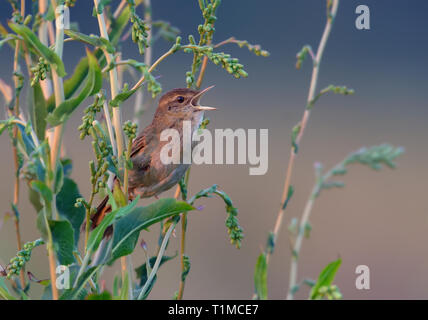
182 103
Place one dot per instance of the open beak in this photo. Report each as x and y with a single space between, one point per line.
196 98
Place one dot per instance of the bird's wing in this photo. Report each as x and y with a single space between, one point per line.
142 141
138 144
141 152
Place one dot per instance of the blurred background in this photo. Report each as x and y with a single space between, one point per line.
380 219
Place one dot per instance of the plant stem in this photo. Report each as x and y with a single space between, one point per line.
177 193
182 253
312 89
201 74
157 262
114 85
153 66
229 40
51 253
123 260
126 171
82 268
110 128
88 217
58 91
16 162
183 241
79 261
117 115
15 150
45 26
296 247
55 143
139 99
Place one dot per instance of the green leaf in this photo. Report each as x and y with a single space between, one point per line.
63 241
25 139
105 295
73 83
186 270
97 234
33 41
101 6
92 86
325 279
79 292
67 166
125 287
4 291
49 15
65 203
38 111
43 190
260 277
127 229
8 38
59 178
81 71
35 199
141 271
119 25
93 40
121 97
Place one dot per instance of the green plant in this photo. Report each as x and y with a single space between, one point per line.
36 142
373 157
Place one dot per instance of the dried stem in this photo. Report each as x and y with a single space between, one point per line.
316 65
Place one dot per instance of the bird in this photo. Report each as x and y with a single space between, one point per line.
149 176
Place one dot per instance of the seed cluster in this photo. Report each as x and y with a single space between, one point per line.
39 71
139 29
90 114
130 130
254 48
331 292
22 257
231 65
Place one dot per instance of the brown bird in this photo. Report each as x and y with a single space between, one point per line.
149 175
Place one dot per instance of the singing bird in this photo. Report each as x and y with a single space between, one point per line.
149 176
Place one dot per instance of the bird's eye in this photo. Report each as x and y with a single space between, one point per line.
180 99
